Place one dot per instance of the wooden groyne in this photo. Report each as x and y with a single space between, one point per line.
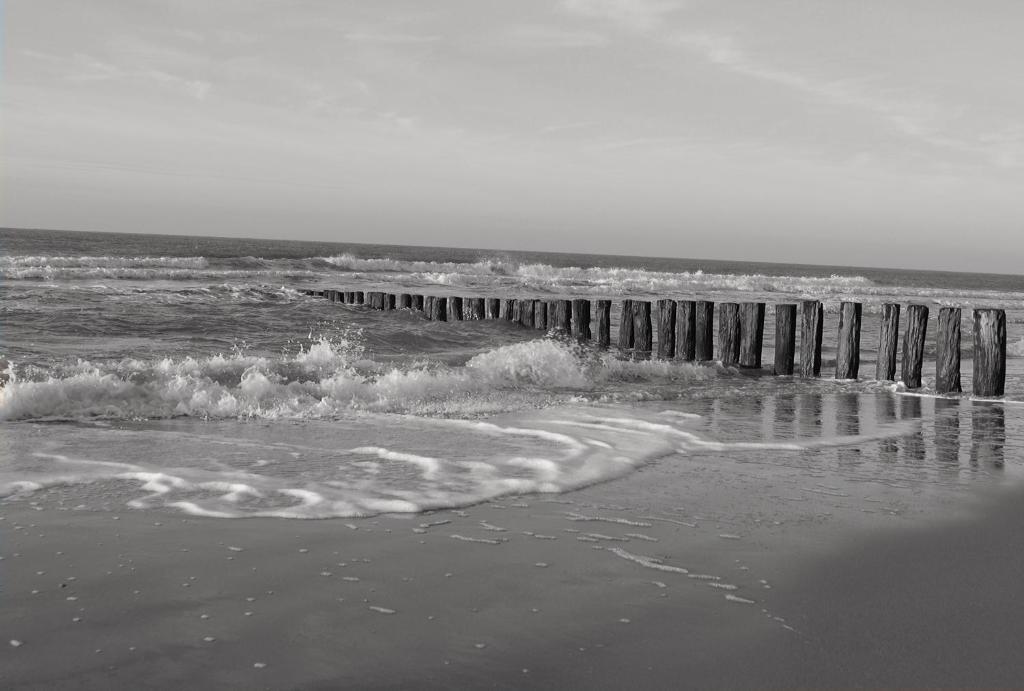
686 328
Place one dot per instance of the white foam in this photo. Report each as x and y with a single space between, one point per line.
646 562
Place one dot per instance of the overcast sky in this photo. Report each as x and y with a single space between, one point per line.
871 133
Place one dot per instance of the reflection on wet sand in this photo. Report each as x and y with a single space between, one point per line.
848 423
988 434
886 415
947 434
913 444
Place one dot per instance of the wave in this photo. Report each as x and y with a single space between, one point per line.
326 379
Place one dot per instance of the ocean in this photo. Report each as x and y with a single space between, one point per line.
192 376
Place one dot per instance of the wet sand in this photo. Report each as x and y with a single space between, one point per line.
529 593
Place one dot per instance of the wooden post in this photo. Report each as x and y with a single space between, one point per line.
811 322
390 301
526 313
507 309
476 309
888 340
626 327
666 329
540 315
581 319
785 338
848 349
360 297
947 351
751 334
642 333
417 303
492 308
438 309
704 331
913 345
405 301
729 332
428 306
989 352
603 308
332 295
454 311
685 329
563 316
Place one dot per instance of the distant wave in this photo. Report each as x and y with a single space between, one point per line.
324 380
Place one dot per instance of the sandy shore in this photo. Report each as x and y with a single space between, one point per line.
713 572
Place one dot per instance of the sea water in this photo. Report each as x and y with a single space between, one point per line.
193 375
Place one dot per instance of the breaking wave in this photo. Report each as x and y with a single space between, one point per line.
324 380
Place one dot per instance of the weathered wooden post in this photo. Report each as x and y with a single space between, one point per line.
848 349
563 316
581 319
751 334
332 295
812 320
729 332
526 313
390 302
438 310
405 301
888 339
642 333
417 303
476 309
603 309
492 308
666 329
626 327
947 351
704 331
507 309
540 314
913 345
360 297
428 306
454 309
686 330
989 352
785 338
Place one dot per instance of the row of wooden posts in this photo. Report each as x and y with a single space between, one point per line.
685 332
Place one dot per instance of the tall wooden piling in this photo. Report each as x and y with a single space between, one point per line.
947 351
454 311
581 319
526 313
848 348
405 301
751 334
642 333
686 330
563 316
811 322
428 306
888 340
913 345
603 317
508 308
476 309
390 301
417 303
360 297
540 314
729 332
989 352
785 338
438 309
626 327
332 295
666 329
492 308
704 331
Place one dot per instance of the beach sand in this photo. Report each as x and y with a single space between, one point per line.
716 572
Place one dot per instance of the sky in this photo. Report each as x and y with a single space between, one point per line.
863 133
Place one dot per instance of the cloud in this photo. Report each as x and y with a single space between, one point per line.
89 69
635 15
911 115
541 36
362 37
